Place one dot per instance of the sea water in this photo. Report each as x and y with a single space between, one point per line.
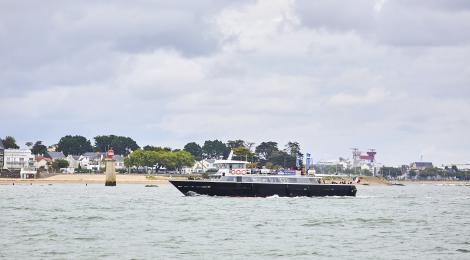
74 221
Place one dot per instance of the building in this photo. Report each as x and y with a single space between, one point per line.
119 162
200 167
42 162
52 148
73 161
55 155
90 161
94 161
16 159
2 152
421 165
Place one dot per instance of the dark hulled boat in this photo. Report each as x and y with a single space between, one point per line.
263 186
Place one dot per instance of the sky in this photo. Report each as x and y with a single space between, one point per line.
393 75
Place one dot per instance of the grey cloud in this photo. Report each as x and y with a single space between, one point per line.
74 43
345 75
396 23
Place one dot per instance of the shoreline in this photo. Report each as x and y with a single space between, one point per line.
88 179
142 179
425 182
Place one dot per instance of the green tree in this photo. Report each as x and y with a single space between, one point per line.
29 144
157 159
39 148
59 164
266 149
232 144
390 172
120 144
214 149
243 153
194 149
183 159
430 172
9 143
74 145
293 149
156 148
282 159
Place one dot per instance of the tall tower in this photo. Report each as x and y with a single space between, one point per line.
110 169
2 154
356 157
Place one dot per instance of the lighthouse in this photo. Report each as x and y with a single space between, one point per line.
110 168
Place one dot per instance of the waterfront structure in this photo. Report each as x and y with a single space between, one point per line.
421 165
16 159
2 152
110 169
42 162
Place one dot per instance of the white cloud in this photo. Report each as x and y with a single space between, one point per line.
373 96
330 74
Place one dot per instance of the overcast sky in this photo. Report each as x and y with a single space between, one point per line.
391 75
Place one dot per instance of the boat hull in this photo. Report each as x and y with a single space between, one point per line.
242 189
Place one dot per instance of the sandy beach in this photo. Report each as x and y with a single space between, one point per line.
90 178
144 179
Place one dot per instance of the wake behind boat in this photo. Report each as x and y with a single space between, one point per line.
235 182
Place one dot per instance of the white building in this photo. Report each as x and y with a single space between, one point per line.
200 166
94 161
42 162
2 151
73 161
16 159
119 162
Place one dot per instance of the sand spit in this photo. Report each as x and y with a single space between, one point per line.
90 178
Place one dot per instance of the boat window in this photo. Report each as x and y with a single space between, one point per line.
314 181
292 180
274 179
247 179
228 178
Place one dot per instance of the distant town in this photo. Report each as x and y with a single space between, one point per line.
76 154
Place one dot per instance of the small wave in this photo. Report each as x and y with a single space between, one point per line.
84 238
323 222
378 220
463 250
192 194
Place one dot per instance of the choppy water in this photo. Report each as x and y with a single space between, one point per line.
137 222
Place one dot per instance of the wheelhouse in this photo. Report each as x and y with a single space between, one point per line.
272 179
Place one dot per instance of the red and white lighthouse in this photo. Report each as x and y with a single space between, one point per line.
110 153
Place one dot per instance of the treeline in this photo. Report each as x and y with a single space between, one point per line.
339 169
159 158
77 144
266 154
430 173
